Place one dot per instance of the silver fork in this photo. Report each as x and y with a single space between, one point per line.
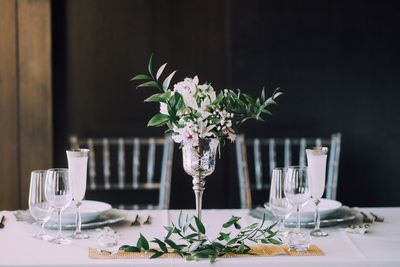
136 222
377 218
366 218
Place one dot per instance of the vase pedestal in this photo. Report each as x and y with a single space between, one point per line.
198 188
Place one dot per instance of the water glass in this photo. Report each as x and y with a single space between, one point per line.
58 194
278 204
297 192
38 205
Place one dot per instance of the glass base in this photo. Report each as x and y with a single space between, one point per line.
318 233
43 236
61 240
298 241
80 235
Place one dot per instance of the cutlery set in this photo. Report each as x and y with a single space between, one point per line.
371 219
137 221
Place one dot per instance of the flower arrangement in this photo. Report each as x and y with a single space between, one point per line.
194 111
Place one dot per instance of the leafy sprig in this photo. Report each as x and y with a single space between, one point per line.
192 243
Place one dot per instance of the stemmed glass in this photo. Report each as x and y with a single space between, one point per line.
297 192
316 158
38 205
278 204
77 167
58 194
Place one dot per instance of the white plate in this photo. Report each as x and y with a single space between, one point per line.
326 207
90 210
342 214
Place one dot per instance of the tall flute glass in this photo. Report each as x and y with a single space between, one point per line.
38 205
58 194
278 204
77 167
297 192
316 158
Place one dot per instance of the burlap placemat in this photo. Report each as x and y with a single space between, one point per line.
256 251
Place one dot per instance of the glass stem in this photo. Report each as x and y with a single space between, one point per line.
298 218
316 216
59 223
78 218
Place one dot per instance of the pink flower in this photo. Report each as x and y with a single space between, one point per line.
229 133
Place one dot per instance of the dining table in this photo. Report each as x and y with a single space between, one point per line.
380 246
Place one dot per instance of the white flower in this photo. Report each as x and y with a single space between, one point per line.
163 108
185 136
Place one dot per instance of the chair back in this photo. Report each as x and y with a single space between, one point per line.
259 156
129 164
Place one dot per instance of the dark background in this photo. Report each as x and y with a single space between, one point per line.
336 61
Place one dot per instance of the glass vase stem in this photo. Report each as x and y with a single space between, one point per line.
199 187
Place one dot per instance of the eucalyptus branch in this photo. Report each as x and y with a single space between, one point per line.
197 244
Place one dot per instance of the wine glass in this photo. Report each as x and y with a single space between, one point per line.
58 194
297 192
77 168
278 204
316 158
38 205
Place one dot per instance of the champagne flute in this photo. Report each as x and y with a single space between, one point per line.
297 192
77 168
38 205
278 204
316 158
58 194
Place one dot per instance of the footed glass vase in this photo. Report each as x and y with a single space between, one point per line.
199 162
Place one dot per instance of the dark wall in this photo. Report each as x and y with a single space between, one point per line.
336 61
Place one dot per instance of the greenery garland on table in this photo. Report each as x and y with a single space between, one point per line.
194 244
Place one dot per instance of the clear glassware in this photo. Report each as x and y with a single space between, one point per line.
278 204
58 194
199 162
297 192
77 172
316 158
38 205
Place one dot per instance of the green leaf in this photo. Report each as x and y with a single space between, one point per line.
142 242
274 241
224 236
131 249
231 221
148 84
156 255
158 120
191 236
141 77
160 97
200 225
160 70
150 66
167 81
161 244
172 244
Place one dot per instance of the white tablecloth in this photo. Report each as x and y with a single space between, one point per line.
379 247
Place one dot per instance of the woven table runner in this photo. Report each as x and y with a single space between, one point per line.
256 251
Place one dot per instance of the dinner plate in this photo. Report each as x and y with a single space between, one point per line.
342 214
109 217
90 210
326 207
